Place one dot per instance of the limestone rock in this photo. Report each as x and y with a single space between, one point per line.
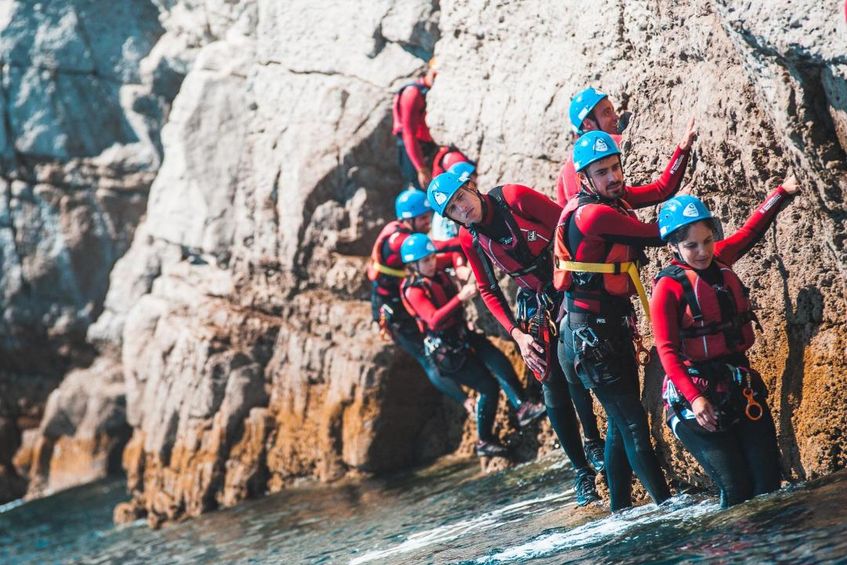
240 313
82 433
86 89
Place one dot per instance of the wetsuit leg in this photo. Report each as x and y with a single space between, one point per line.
618 471
720 455
475 376
407 169
499 366
623 407
562 416
412 343
759 447
580 396
627 424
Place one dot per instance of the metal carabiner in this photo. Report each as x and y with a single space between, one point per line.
753 410
587 335
642 354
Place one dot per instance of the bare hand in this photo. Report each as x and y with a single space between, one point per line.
424 176
689 136
790 185
463 273
468 291
531 351
705 413
470 405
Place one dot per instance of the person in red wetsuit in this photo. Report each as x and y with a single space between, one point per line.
415 147
598 244
589 110
445 158
431 297
512 227
457 163
386 271
703 326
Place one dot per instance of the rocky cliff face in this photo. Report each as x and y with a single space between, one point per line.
238 318
81 102
86 89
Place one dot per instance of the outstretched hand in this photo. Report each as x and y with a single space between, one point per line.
689 136
790 185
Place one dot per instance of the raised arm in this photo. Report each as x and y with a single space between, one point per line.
734 247
668 184
603 221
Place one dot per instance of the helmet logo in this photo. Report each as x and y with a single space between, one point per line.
440 198
464 177
583 113
600 145
690 211
531 235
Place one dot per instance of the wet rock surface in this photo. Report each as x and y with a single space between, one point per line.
238 318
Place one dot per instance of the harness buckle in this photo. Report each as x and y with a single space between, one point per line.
587 335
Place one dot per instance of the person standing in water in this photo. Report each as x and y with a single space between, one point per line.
599 244
465 356
703 327
512 227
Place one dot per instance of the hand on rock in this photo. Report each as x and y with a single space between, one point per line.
689 136
464 273
790 185
468 291
470 405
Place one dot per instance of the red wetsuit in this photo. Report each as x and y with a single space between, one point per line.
667 305
567 185
434 302
589 231
536 216
387 252
410 121
446 157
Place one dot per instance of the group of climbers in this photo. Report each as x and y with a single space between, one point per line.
576 264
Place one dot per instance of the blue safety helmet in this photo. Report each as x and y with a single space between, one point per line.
581 105
416 247
462 168
411 203
443 187
593 146
681 211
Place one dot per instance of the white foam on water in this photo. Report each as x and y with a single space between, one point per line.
449 532
11 505
681 508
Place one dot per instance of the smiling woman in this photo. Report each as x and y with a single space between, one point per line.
703 327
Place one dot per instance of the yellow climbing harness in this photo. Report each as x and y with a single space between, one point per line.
628 267
399 273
